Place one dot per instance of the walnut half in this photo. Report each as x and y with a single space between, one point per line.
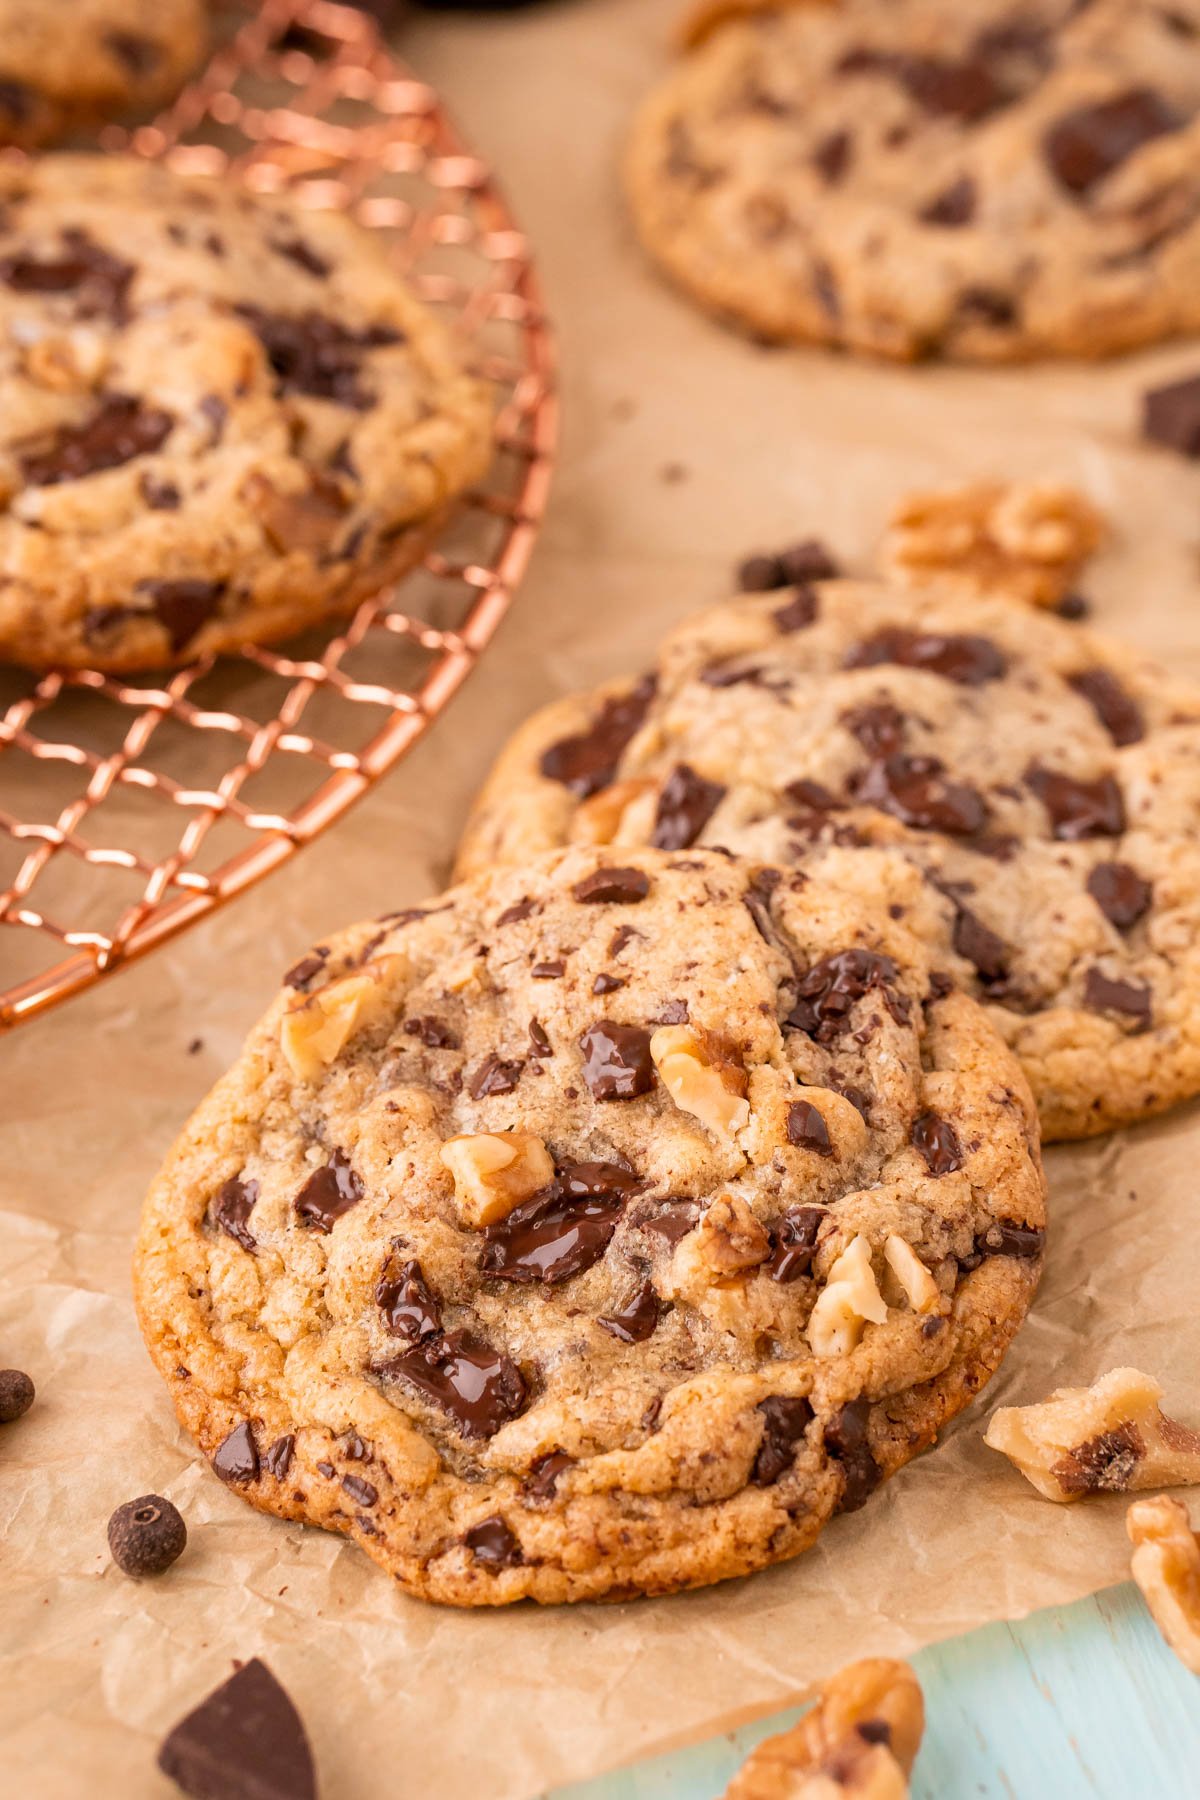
849 1298
1106 1439
494 1171
861 1739
1027 540
701 1078
1166 1566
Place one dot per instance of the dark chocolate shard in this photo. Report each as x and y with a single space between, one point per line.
245 1742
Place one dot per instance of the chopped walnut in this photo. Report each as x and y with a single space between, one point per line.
1109 1438
1026 540
1166 1566
920 1289
849 1298
66 361
700 1078
727 1242
316 1029
861 1739
495 1171
598 819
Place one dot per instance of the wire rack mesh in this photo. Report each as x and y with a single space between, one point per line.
131 807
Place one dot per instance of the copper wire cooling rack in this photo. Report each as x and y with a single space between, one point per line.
129 808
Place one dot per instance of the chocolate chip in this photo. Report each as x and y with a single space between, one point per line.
686 804
361 1491
303 255
277 1458
831 156
434 1033
938 1143
607 984
785 1419
616 1060
960 88
140 55
245 1742
493 1544
634 1322
969 660
737 674
146 1535
1077 606
478 1387
117 431
547 971
408 1306
236 1456
328 1194
552 1237
538 1039
953 207
16 100
979 305
979 945
672 1221
159 495
182 606
1113 705
914 790
794 1241
1004 1238
1105 1464
613 887
807 1130
99 281
493 1076
672 1012
1102 994
846 1439
1078 809
1084 146
1171 415
588 762
829 989
313 354
232 1208
513 915
878 727
16 1395
544 1471
797 613
1120 893
302 974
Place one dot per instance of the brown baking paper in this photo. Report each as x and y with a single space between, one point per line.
685 448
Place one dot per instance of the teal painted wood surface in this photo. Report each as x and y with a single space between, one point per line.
1081 1702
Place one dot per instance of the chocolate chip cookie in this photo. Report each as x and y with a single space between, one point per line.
906 178
67 63
600 1228
1044 782
224 417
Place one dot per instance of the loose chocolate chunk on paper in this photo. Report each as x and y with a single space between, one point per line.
1084 146
686 804
938 1143
1122 895
478 1387
1171 415
588 761
785 1420
245 1742
616 1060
328 1194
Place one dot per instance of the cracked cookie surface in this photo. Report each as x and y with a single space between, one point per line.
598 1229
1004 179
225 417
1044 780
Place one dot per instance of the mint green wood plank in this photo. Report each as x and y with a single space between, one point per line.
1082 1702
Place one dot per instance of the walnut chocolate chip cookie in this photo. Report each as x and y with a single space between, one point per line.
68 63
224 417
1009 178
602 1228
1043 781
860 1739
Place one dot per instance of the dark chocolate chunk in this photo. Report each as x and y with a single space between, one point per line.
328 1193
980 945
1101 993
953 207
232 1208
406 1301
493 1544
313 354
794 1241
1171 415
582 1181
616 1060
938 1143
159 495
361 1491
1084 146
969 660
1113 705
785 1420
140 55
588 762
1103 1465
831 157
1077 606
277 1457
634 1322
302 974
672 1221
1122 895
613 887
798 612
846 1439
183 606
686 804
1005 1238
829 989
607 984
98 281
672 1012
554 1236
878 727
979 305
434 1033
538 1040
547 971
807 1130
1078 809
493 1076
544 1471
119 429
513 915
303 255
146 1535
812 795
16 1395
914 789
961 88
478 1387
245 1742
236 1456
17 100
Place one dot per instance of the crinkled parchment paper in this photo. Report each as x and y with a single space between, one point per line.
685 448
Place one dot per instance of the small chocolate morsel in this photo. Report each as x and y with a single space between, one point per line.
236 1456
493 1076
1171 416
807 1130
954 206
588 762
938 1143
182 606
1084 146
1113 705
846 1439
16 1395
277 1458
245 1742
616 1060
794 1240
435 1034
146 1535
493 1544
685 806
612 887
1078 809
544 1471
328 1193
634 1322
809 560
1129 999
232 1208
1122 895
798 612
968 660
785 1420
408 1305
301 975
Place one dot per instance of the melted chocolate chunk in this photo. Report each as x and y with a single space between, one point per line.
612 887
798 612
607 984
434 1033
686 804
616 1060
236 1456
634 1322
953 207
538 1040
1004 1238
493 1544
1103 1465
544 1471
245 1742
1084 146
807 1130
494 1076
552 1237
1078 809
99 282
302 974
938 1143
232 1208
785 1420
1102 994
118 430
914 790
1116 709
830 988
159 495
582 1181
408 1306
978 943
969 660
478 1387
673 1220
846 1439
182 606
794 1241
328 1194
878 727
277 1458
1120 892
313 354
1171 415
588 762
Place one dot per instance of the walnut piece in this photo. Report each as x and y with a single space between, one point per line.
920 1289
849 1298
316 1029
727 1242
700 1078
598 820
494 1171
1026 540
1166 1566
860 1739
66 361
1109 1438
